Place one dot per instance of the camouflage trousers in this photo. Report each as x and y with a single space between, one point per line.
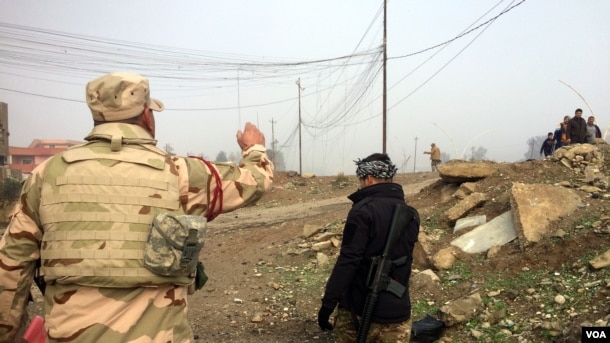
345 332
434 164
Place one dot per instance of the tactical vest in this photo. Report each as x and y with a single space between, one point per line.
97 208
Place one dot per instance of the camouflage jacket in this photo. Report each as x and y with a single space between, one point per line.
75 309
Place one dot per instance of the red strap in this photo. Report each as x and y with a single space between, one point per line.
217 191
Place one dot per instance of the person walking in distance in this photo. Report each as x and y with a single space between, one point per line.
435 156
576 131
593 130
104 217
548 146
364 239
560 135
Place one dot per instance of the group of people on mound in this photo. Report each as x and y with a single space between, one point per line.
573 130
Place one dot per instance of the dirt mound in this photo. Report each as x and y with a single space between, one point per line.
520 285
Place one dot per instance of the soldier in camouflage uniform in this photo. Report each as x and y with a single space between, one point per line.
87 214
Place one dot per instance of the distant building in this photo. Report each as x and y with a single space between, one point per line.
19 162
26 159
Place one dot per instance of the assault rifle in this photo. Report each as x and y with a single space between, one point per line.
379 274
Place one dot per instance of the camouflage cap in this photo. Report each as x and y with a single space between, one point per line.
120 95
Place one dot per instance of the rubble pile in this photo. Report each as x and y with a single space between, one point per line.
581 157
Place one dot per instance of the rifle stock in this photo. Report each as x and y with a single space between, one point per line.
378 277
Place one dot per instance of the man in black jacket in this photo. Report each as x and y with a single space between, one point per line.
548 146
364 237
576 132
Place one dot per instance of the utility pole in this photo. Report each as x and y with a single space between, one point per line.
415 155
300 155
385 60
273 140
238 103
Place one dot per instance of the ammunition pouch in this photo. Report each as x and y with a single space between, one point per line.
174 243
201 278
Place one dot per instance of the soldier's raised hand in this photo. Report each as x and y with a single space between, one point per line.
250 136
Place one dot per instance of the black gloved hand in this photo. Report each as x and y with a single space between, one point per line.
324 316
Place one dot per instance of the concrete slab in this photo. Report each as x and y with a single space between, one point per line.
464 223
498 231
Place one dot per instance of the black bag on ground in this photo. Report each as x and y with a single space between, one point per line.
427 330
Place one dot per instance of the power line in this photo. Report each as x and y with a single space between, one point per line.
451 59
73 56
40 95
458 36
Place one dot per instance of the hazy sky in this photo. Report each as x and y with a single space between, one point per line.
218 64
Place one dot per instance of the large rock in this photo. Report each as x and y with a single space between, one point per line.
447 191
464 206
311 230
421 251
320 246
426 284
536 206
308 175
322 259
465 190
600 261
457 171
461 310
445 258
